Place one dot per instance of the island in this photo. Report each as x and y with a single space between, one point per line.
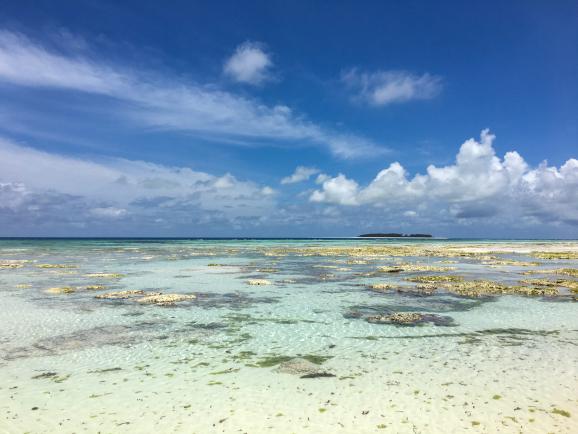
394 235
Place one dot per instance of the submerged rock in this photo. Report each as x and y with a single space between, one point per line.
258 282
304 368
426 288
318 375
381 287
410 319
397 318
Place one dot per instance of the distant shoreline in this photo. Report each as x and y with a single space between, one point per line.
394 235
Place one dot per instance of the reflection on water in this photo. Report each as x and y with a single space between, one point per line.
288 336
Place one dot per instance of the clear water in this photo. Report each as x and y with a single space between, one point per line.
73 363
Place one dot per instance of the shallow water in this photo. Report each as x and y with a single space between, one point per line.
70 362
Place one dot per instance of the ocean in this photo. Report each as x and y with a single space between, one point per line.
288 335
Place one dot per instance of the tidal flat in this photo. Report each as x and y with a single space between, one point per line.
288 336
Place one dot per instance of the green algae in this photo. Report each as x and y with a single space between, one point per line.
318 360
270 361
45 375
104 371
560 412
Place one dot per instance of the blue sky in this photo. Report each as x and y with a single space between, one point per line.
288 118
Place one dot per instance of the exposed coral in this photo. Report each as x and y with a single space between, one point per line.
105 275
119 295
10 265
555 255
479 288
165 299
435 279
61 290
570 284
510 262
410 268
381 287
56 266
565 271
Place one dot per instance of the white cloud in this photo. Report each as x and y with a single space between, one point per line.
478 185
387 87
339 190
267 191
46 186
165 102
301 173
249 64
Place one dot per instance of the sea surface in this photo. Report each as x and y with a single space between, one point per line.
288 336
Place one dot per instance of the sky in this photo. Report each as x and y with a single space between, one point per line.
276 118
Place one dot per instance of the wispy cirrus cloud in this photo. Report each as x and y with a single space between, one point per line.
166 102
250 64
382 88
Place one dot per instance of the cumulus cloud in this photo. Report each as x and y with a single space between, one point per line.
387 87
479 185
37 186
168 103
249 64
301 173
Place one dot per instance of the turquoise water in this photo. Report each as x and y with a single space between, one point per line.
232 359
